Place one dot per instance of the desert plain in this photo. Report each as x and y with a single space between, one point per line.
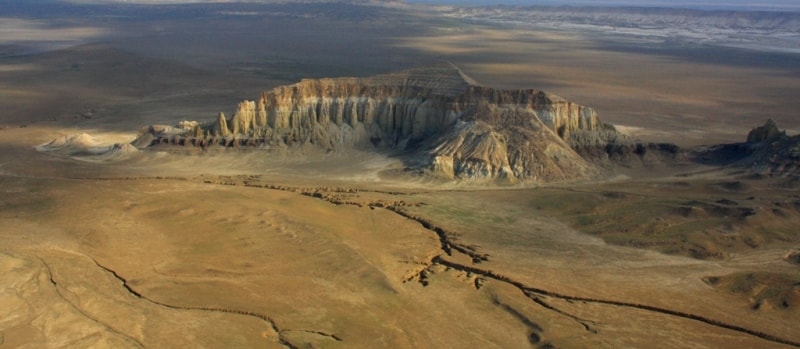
245 248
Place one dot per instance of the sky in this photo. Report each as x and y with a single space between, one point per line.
783 5
773 5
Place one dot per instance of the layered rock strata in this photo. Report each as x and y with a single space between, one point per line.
460 129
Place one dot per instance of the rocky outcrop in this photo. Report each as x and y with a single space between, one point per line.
793 256
86 148
767 151
459 129
508 144
770 151
765 133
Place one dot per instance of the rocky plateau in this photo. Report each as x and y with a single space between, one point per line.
442 121
442 124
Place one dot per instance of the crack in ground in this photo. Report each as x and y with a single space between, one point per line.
423 275
448 245
445 237
271 323
534 330
585 323
52 280
528 290
319 333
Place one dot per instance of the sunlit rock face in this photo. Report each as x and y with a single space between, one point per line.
462 130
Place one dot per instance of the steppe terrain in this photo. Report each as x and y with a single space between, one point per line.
224 248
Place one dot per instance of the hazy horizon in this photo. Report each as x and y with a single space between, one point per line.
734 5
774 5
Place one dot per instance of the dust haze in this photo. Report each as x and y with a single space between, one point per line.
389 174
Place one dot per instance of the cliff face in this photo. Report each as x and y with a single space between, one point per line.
507 143
462 129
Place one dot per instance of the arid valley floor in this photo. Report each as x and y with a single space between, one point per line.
247 248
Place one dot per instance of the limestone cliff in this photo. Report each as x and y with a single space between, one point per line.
460 128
